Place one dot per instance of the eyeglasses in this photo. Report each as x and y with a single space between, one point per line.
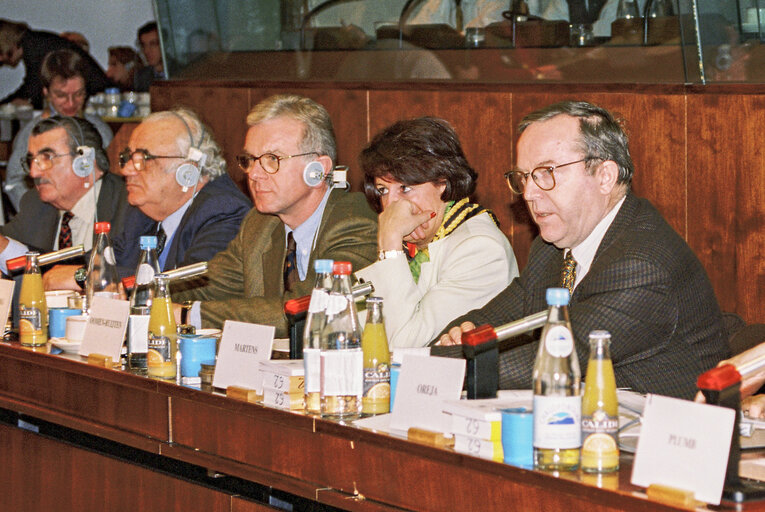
139 158
43 160
269 162
542 176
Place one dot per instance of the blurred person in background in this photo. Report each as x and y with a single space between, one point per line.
77 39
124 62
65 89
155 68
19 43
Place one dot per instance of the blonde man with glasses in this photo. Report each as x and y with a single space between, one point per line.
629 272
298 217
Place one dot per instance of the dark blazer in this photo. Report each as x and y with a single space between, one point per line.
36 45
36 224
245 282
645 286
211 221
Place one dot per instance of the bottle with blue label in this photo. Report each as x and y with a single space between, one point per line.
557 391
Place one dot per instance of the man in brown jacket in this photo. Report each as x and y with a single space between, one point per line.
288 152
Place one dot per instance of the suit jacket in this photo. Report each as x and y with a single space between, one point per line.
466 269
209 224
36 224
645 286
245 282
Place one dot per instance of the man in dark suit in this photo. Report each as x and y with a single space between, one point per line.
633 275
176 178
288 152
73 188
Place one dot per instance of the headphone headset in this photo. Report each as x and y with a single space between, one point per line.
187 174
313 174
85 156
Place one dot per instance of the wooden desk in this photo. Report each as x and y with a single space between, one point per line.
309 458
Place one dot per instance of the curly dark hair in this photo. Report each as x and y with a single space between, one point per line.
415 151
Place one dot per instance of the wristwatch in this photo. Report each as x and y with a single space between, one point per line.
387 255
80 276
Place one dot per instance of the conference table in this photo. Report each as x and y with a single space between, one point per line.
75 436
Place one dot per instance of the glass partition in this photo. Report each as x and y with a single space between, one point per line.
483 41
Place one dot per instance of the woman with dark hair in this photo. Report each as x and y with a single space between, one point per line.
440 256
123 63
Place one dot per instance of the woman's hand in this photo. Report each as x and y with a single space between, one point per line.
401 219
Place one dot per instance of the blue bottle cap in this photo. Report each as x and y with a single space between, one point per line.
557 296
112 90
148 242
323 266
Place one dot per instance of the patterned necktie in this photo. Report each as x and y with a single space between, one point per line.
290 264
161 238
568 274
65 233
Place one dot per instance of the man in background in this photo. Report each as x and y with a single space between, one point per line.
155 68
63 77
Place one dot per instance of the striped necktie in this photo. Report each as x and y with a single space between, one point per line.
65 232
568 274
291 276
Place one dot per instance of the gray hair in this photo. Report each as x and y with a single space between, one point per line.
603 137
319 135
197 135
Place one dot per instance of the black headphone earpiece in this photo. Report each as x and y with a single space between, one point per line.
313 174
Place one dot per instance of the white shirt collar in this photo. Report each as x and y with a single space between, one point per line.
584 253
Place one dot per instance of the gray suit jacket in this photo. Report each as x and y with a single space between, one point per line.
36 223
645 286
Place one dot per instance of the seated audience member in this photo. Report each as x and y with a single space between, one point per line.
439 254
123 64
18 43
176 178
65 202
290 137
62 76
155 68
629 272
78 39
598 13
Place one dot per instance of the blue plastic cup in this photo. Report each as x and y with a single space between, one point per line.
395 369
57 320
518 437
195 350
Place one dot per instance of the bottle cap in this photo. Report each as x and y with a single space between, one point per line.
342 268
594 335
160 277
374 300
557 297
102 227
148 242
323 266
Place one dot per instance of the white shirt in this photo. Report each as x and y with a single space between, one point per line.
584 253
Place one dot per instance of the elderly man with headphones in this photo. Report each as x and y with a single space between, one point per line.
299 216
73 189
176 179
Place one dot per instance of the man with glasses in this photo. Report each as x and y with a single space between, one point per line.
629 272
61 209
176 179
65 91
298 217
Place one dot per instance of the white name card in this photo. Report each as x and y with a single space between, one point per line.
105 330
242 347
424 384
6 297
684 445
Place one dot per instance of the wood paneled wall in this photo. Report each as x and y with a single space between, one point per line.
698 153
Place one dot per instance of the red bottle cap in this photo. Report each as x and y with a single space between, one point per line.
102 227
299 305
342 268
128 282
480 334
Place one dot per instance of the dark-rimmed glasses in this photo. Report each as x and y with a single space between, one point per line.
43 160
139 158
543 176
269 162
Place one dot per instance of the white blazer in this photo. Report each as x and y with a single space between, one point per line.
466 269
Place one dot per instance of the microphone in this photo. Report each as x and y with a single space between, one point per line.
18 263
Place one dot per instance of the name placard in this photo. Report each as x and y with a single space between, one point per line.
105 330
424 384
6 297
242 347
684 445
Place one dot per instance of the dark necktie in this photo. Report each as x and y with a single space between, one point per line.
577 12
568 274
290 264
65 233
161 238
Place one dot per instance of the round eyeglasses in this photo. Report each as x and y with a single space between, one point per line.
543 176
43 160
269 162
139 157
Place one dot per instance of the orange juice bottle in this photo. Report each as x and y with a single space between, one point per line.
374 345
162 333
33 311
